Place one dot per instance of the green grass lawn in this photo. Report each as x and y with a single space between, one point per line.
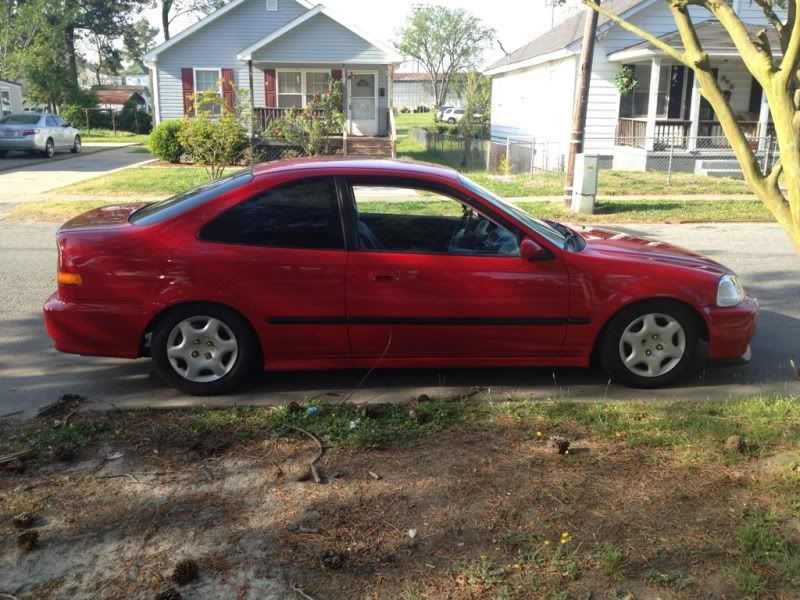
405 121
89 136
144 181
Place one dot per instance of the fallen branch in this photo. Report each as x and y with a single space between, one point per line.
11 414
297 589
128 475
15 456
321 452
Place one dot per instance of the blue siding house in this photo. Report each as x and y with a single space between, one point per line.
284 52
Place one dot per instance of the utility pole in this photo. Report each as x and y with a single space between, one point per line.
581 99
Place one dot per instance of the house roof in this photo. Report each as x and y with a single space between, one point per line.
713 38
418 76
247 54
560 36
117 94
150 57
11 82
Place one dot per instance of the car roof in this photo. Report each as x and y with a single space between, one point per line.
338 165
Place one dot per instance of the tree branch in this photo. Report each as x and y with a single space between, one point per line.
757 58
649 37
792 51
774 20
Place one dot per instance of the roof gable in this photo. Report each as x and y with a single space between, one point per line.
326 35
152 55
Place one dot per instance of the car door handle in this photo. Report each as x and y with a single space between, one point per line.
383 276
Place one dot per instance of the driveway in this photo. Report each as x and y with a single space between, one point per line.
32 374
32 179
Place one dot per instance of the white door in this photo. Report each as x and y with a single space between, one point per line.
363 103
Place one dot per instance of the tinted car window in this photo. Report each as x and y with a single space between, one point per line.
20 120
400 218
51 122
161 211
300 214
59 121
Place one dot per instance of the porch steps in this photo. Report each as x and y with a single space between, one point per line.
369 147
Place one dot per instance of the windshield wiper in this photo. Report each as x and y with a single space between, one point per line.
572 241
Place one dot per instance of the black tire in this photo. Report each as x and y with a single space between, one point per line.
76 145
49 148
612 339
248 360
451 120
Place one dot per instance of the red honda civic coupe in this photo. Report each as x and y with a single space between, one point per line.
345 263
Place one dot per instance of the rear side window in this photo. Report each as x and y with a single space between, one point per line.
300 214
51 122
161 211
20 120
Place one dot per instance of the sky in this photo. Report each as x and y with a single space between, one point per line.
516 21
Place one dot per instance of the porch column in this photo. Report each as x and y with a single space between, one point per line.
694 116
652 104
252 99
763 122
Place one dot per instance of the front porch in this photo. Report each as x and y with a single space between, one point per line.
666 111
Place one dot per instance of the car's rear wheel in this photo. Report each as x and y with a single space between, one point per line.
49 148
451 120
204 349
76 145
650 344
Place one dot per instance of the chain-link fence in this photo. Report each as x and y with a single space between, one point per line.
711 156
455 150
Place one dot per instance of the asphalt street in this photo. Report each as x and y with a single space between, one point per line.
33 374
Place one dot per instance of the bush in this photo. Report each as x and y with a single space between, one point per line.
74 114
135 121
165 142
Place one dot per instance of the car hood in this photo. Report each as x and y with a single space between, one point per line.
627 246
105 216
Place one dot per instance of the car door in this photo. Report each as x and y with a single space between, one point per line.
54 132
281 254
431 277
64 133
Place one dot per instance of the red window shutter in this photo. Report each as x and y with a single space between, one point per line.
270 95
187 79
336 75
227 88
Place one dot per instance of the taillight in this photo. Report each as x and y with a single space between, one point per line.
68 278
30 131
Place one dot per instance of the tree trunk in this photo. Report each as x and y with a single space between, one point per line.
69 43
166 5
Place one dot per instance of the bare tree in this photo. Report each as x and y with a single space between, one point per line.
172 9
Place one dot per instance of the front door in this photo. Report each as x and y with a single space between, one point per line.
432 278
363 103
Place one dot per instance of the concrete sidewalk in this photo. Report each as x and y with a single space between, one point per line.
30 181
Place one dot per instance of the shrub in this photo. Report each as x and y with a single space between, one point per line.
165 142
135 121
216 136
74 114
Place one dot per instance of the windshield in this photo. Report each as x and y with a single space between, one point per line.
547 231
20 120
161 211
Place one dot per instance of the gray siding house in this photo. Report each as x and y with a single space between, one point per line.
284 52
10 97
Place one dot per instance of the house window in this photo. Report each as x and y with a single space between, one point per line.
5 103
317 83
297 88
290 89
635 103
272 5
208 79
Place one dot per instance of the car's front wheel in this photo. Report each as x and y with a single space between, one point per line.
49 148
451 120
204 349
650 344
76 145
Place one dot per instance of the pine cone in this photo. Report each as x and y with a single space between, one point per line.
561 444
169 594
332 560
185 572
28 540
23 521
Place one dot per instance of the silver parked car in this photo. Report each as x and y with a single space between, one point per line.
37 132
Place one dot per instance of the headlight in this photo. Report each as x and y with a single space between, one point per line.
729 292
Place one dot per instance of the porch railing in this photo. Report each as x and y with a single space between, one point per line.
675 133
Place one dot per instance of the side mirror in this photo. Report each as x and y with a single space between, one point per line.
67 124
530 250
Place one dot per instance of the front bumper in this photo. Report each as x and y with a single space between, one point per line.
96 329
730 330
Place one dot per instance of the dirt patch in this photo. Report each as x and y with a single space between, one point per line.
477 511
